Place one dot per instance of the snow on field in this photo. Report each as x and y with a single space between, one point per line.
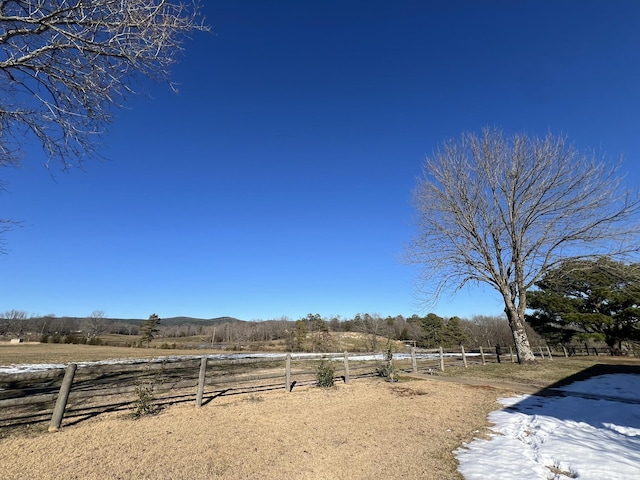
591 430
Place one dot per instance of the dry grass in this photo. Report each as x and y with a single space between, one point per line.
540 374
367 429
68 353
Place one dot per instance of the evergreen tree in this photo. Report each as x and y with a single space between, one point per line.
453 334
149 329
599 297
432 330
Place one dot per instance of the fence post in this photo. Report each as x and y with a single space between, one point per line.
511 354
549 353
541 353
441 359
63 396
482 356
464 358
346 367
201 378
288 372
566 354
414 362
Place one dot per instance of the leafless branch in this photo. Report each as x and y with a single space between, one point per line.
65 65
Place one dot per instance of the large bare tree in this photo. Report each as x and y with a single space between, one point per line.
65 65
503 211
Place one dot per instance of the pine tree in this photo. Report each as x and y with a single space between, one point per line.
149 329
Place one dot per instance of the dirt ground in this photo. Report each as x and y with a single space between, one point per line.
366 429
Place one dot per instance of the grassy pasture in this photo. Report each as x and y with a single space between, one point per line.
114 347
69 353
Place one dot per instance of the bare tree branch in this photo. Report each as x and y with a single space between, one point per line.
65 65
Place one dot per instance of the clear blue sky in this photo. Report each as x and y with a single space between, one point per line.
277 182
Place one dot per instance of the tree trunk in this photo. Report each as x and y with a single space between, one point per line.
520 339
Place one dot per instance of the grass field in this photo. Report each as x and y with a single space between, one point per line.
117 346
68 353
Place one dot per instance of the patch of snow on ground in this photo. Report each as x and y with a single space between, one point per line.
562 437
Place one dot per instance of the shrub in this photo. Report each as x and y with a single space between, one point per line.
325 374
44 338
144 404
388 369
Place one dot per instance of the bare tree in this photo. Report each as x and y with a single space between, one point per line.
503 211
12 322
95 323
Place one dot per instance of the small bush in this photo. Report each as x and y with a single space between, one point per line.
144 404
95 341
325 374
388 369
72 338
44 338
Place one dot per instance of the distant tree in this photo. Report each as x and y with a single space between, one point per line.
453 333
432 329
95 323
12 322
320 336
595 297
149 329
371 325
503 211
299 336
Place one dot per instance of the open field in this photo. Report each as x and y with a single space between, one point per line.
67 353
364 429
114 348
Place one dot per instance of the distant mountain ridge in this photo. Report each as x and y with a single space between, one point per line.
170 321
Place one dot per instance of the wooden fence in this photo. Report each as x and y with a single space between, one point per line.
81 391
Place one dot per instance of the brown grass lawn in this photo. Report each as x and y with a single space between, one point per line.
366 429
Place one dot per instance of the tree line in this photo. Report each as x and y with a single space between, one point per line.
310 333
578 301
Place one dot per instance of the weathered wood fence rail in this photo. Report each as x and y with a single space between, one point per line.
80 391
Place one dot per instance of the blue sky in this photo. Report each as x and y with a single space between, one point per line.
277 181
